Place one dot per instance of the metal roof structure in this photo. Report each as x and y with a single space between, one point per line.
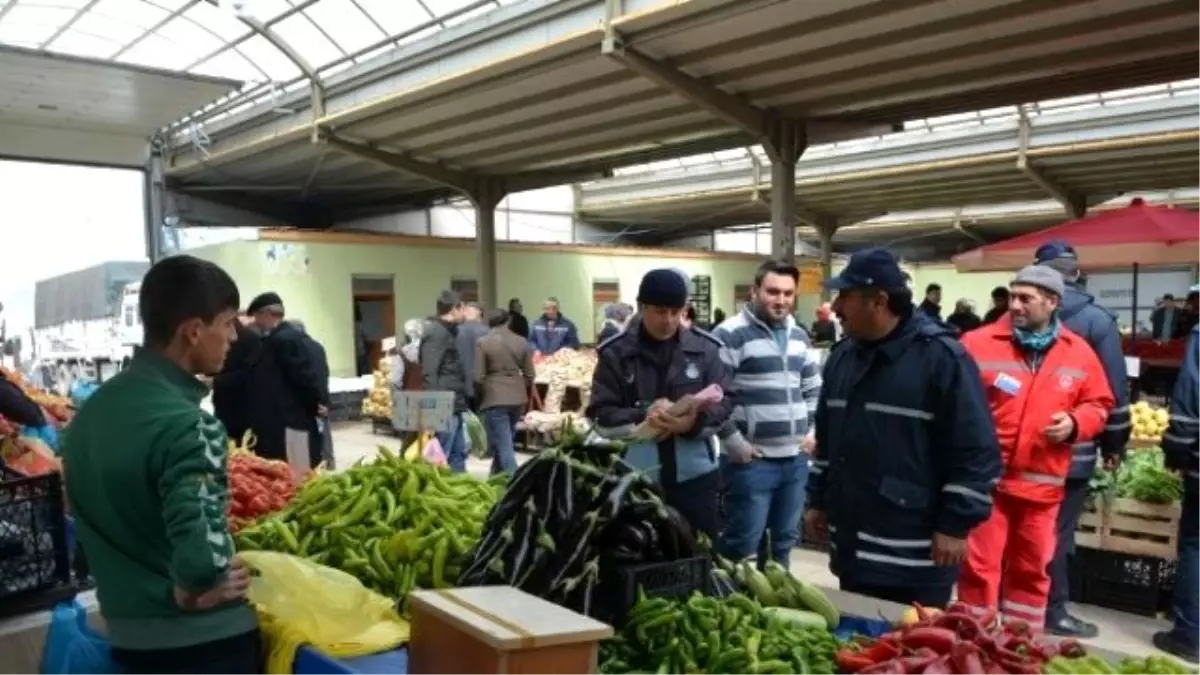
545 91
109 73
1067 152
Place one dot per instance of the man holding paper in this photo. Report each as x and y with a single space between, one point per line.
658 386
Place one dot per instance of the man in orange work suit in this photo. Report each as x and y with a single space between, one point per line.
1046 389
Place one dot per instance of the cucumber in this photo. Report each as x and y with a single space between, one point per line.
777 574
813 598
797 617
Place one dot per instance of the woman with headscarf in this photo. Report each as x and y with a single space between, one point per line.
824 330
616 317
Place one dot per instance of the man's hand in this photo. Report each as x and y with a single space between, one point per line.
809 444
230 589
1061 427
816 526
948 551
741 454
673 425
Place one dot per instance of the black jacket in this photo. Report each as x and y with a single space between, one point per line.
18 408
964 321
231 387
1078 310
932 310
441 364
629 378
518 324
905 448
286 388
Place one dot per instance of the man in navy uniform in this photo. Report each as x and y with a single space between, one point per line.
906 452
1080 313
1181 447
641 371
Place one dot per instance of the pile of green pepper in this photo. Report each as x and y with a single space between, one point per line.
1151 664
714 635
395 525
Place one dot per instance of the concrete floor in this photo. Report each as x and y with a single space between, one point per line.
1119 632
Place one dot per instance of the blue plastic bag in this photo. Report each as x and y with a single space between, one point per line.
47 433
72 646
81 390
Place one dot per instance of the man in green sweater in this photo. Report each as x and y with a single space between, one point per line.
145 472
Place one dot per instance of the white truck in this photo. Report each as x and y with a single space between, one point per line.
86 324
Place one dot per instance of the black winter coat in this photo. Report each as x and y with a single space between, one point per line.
905 448
286 388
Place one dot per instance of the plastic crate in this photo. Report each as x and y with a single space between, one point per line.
676 580
35 565
1123 581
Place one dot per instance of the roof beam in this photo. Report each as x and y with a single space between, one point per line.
470 183
1074 204
434 173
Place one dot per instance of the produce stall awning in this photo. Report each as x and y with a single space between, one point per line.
1142 234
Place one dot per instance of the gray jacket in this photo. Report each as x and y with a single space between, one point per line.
441 366
503 369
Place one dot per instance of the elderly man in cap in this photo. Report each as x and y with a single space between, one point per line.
905 454
1047 391
1079 312
286 391
641 372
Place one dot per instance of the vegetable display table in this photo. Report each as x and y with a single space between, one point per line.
310 661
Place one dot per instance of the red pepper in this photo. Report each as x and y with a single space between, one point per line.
920 660
960 608
850 661
1019 667
993 668
966 660
939 640
966 627
1071 649
892 666
941 666
922 613
1018 628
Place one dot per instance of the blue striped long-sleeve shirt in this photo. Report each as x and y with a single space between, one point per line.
776 384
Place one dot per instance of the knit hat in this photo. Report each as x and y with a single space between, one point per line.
663 288
1058 255
1042 276
270 299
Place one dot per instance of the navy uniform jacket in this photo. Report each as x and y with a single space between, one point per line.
905 448
1181 441
1094 324
627 381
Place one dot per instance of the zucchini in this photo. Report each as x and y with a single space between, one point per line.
759 586
812 598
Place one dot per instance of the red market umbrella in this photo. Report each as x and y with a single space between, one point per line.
1137 234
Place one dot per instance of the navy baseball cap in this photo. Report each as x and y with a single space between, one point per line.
869 268
1054 250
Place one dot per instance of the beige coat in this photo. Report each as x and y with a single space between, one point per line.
503 369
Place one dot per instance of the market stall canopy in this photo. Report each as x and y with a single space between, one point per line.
1138 233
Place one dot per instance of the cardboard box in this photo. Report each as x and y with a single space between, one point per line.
499 629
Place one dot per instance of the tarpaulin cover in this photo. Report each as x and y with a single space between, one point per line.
1138 233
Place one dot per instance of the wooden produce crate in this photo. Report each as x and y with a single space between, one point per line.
1090 531
1138 528
1131 527
499 629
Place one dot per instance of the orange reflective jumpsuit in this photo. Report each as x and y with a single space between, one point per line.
1011 549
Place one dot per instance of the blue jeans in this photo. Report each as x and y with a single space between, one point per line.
1185 610
454 444
765 495
501 423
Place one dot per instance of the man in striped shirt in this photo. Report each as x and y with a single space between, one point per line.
776 384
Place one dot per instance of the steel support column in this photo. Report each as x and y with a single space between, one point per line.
784 145
154 197
826 227
486 197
